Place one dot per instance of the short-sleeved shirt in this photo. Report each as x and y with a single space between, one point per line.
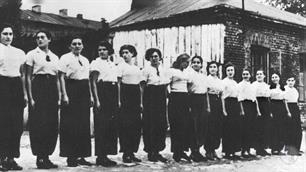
262 89
37 59
155 76
277 93
246 91
291 94
198 82
75 67
230 88
130 74
215 85
178 80
108 71
11 58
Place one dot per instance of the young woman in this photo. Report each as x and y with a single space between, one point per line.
231 140
104 76
214 131
75 142
178 109
197 87
13 98
247 99
154 104
280 111
262 91
294 129
130 77
44 99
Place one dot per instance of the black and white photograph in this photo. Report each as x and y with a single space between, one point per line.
153 85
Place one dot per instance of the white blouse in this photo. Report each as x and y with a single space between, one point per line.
108 71
277 93
11 59
37 59
215 85
198 82
152 78
130 74
262 89
75 67
291 94
230 88
179 80
246 91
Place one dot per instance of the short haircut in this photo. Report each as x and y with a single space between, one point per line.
197 57
150 51
180 59
47 33
210 63
108 46
229 64
128 47
5 25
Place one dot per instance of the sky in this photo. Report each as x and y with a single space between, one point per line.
91 9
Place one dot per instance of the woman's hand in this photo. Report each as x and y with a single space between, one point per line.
97 105
65 100
289 114
242 113
32 103
25 100
91 101
224 113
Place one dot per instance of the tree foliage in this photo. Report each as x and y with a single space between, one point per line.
293 6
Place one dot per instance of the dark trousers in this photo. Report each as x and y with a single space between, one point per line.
130 118
231 141
154 118
263 126
199 114
214 131
43 118
294 129
75 121
180 122
106 120
11 116
249 125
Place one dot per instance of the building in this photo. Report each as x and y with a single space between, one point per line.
254 36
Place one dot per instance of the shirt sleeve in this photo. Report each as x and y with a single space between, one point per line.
62 64
30 59
93 66
145 74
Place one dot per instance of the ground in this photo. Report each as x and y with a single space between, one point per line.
271 164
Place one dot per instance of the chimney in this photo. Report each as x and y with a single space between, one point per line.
36 8
79 16
63 12
104 23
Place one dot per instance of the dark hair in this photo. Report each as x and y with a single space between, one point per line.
246 69
210 63
150 51
5 25
229 64
108 46
273 85
48 34
261 69
76 37
197 57
128 47
291 76
179 60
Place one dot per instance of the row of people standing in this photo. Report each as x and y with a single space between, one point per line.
197 105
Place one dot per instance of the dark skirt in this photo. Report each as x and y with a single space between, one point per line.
278 125
180 121
154 118
214 131
105 119
75 121
129 118
263 126
294 129
198 108
231 140
11 116
249 125
43 118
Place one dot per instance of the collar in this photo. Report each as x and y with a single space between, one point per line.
38 50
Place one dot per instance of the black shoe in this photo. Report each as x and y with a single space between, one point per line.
228 156
152 157
196 156
50 164
210 156
41 164
82 161
126 158
177 157
160 158
261 153
185 156
236 157
134 159
11 164
105 162
72 162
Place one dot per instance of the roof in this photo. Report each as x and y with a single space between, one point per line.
162 9
29 15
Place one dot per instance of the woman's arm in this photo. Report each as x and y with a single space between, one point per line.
94 79
223 106
29 75
287 108
63 88
208 102
257 107
58 84
242 109
119 91
24 87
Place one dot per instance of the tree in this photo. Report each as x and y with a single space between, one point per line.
293 6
